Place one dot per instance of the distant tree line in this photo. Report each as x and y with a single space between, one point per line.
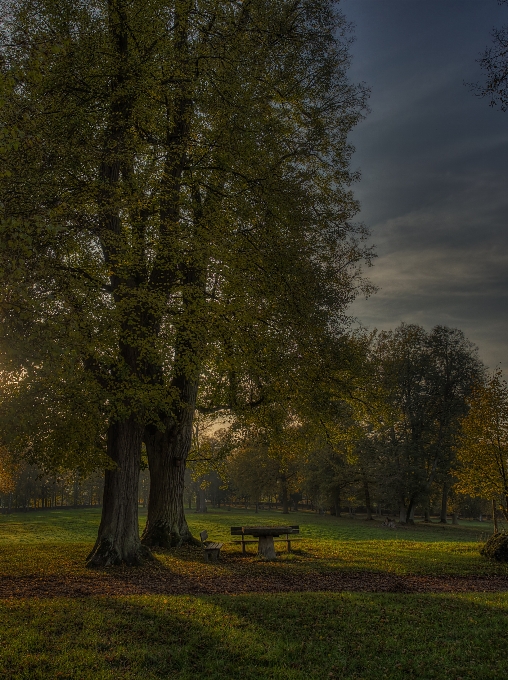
424 431
414 427
30 488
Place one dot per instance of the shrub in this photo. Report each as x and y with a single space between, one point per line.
496 547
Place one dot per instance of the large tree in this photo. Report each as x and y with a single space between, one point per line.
178 200
483 446
421 383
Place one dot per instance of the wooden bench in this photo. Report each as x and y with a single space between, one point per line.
238 531
295 530
211 550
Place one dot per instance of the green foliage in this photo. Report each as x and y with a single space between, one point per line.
178 207
415 402
483 446
496 547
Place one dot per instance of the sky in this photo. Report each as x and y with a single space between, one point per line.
434 165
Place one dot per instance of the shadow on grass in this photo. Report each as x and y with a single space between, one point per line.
54 571
276 637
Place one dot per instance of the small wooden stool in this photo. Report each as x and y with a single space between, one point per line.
211 550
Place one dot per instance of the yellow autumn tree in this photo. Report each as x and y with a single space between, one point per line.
8 471
483 449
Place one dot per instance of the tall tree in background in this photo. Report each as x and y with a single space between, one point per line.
179 192
455 371
8 471
253 472
483 448
421 384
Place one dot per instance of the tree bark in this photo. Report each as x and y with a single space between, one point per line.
504 508
444 504
285 500
167 452
118 538
75 491
494 516
402 512
202 501
410 514
366 491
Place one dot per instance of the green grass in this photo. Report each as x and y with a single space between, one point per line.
32 542
354 544
295 636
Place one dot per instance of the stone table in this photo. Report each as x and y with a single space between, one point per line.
265 536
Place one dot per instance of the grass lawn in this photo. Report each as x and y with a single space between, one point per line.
258 635
32 542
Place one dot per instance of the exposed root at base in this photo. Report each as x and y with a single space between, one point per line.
106 554
161 535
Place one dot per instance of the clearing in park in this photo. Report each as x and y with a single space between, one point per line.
353 600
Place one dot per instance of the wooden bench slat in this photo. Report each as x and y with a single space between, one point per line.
211 549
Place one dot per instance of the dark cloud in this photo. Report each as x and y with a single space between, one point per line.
434 162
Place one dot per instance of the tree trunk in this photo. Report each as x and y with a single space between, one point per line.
75 491
118 538
426 514
366 492
410 513
402 512
202 501
494 516
167 452
444 504
504 508
285 500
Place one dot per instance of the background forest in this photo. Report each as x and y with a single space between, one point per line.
419 430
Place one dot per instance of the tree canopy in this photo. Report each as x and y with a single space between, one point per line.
175 206
483 450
